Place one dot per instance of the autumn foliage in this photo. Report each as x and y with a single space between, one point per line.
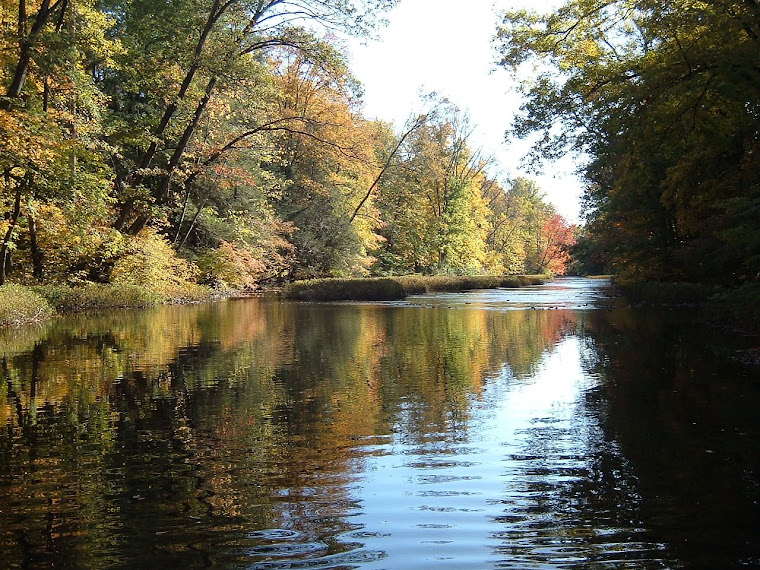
161 145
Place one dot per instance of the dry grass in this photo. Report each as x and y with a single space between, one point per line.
20 305
394 288
381 289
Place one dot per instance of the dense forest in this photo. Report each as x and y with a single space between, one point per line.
662 101
223 142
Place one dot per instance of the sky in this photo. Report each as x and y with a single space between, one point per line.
445 46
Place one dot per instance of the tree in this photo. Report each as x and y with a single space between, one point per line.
219 43
434 212
327 161
511 216
50 120
663 100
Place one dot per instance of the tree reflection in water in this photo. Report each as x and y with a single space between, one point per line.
264 433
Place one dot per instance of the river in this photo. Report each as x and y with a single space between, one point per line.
546 427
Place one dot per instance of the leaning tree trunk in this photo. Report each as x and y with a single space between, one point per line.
162 191
26 43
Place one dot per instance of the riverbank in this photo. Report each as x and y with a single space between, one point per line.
731 307
21 304
396 288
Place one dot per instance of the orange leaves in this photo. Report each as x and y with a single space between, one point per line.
557 237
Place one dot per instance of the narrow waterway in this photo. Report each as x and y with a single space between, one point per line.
545 427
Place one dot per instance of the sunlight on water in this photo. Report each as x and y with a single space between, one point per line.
466 497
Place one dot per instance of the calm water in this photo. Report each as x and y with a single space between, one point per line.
545 427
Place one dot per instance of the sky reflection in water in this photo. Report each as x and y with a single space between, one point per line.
464 431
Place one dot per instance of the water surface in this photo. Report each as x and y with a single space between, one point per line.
547 427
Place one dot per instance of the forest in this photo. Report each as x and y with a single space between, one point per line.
661 101
167 143
175 144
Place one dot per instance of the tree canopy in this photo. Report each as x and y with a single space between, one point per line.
662 98
224 141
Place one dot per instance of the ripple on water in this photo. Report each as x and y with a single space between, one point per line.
275 534
286 549
343 561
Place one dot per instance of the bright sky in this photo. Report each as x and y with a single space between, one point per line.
445 46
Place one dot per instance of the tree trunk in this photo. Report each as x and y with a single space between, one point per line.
5 249
26 47
182 216
127 208
37 266
161 193
192 225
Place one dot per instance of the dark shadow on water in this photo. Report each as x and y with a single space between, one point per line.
468 432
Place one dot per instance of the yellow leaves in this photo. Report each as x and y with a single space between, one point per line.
26 141
232 267
150 261
69 241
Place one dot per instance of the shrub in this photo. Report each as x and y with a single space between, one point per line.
393 288
95 296
739 304
417 284
151 262
231 267
98 296
665 292
19 304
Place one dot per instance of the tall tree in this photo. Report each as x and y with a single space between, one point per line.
328 161
434 212
218 43
663 100
50 120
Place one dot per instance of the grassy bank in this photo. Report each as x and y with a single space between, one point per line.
115 296
664 292
394 288
417 284
371 289
20 304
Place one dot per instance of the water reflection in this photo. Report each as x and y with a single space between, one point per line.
454 431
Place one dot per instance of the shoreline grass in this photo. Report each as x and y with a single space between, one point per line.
396 288
20 304
664 292
367 289
418 284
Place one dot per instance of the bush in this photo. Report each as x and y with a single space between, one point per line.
417 284
98 296
665 292
231 267
739 304
393 288
19 304
150 262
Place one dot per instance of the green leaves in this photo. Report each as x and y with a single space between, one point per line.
662 98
